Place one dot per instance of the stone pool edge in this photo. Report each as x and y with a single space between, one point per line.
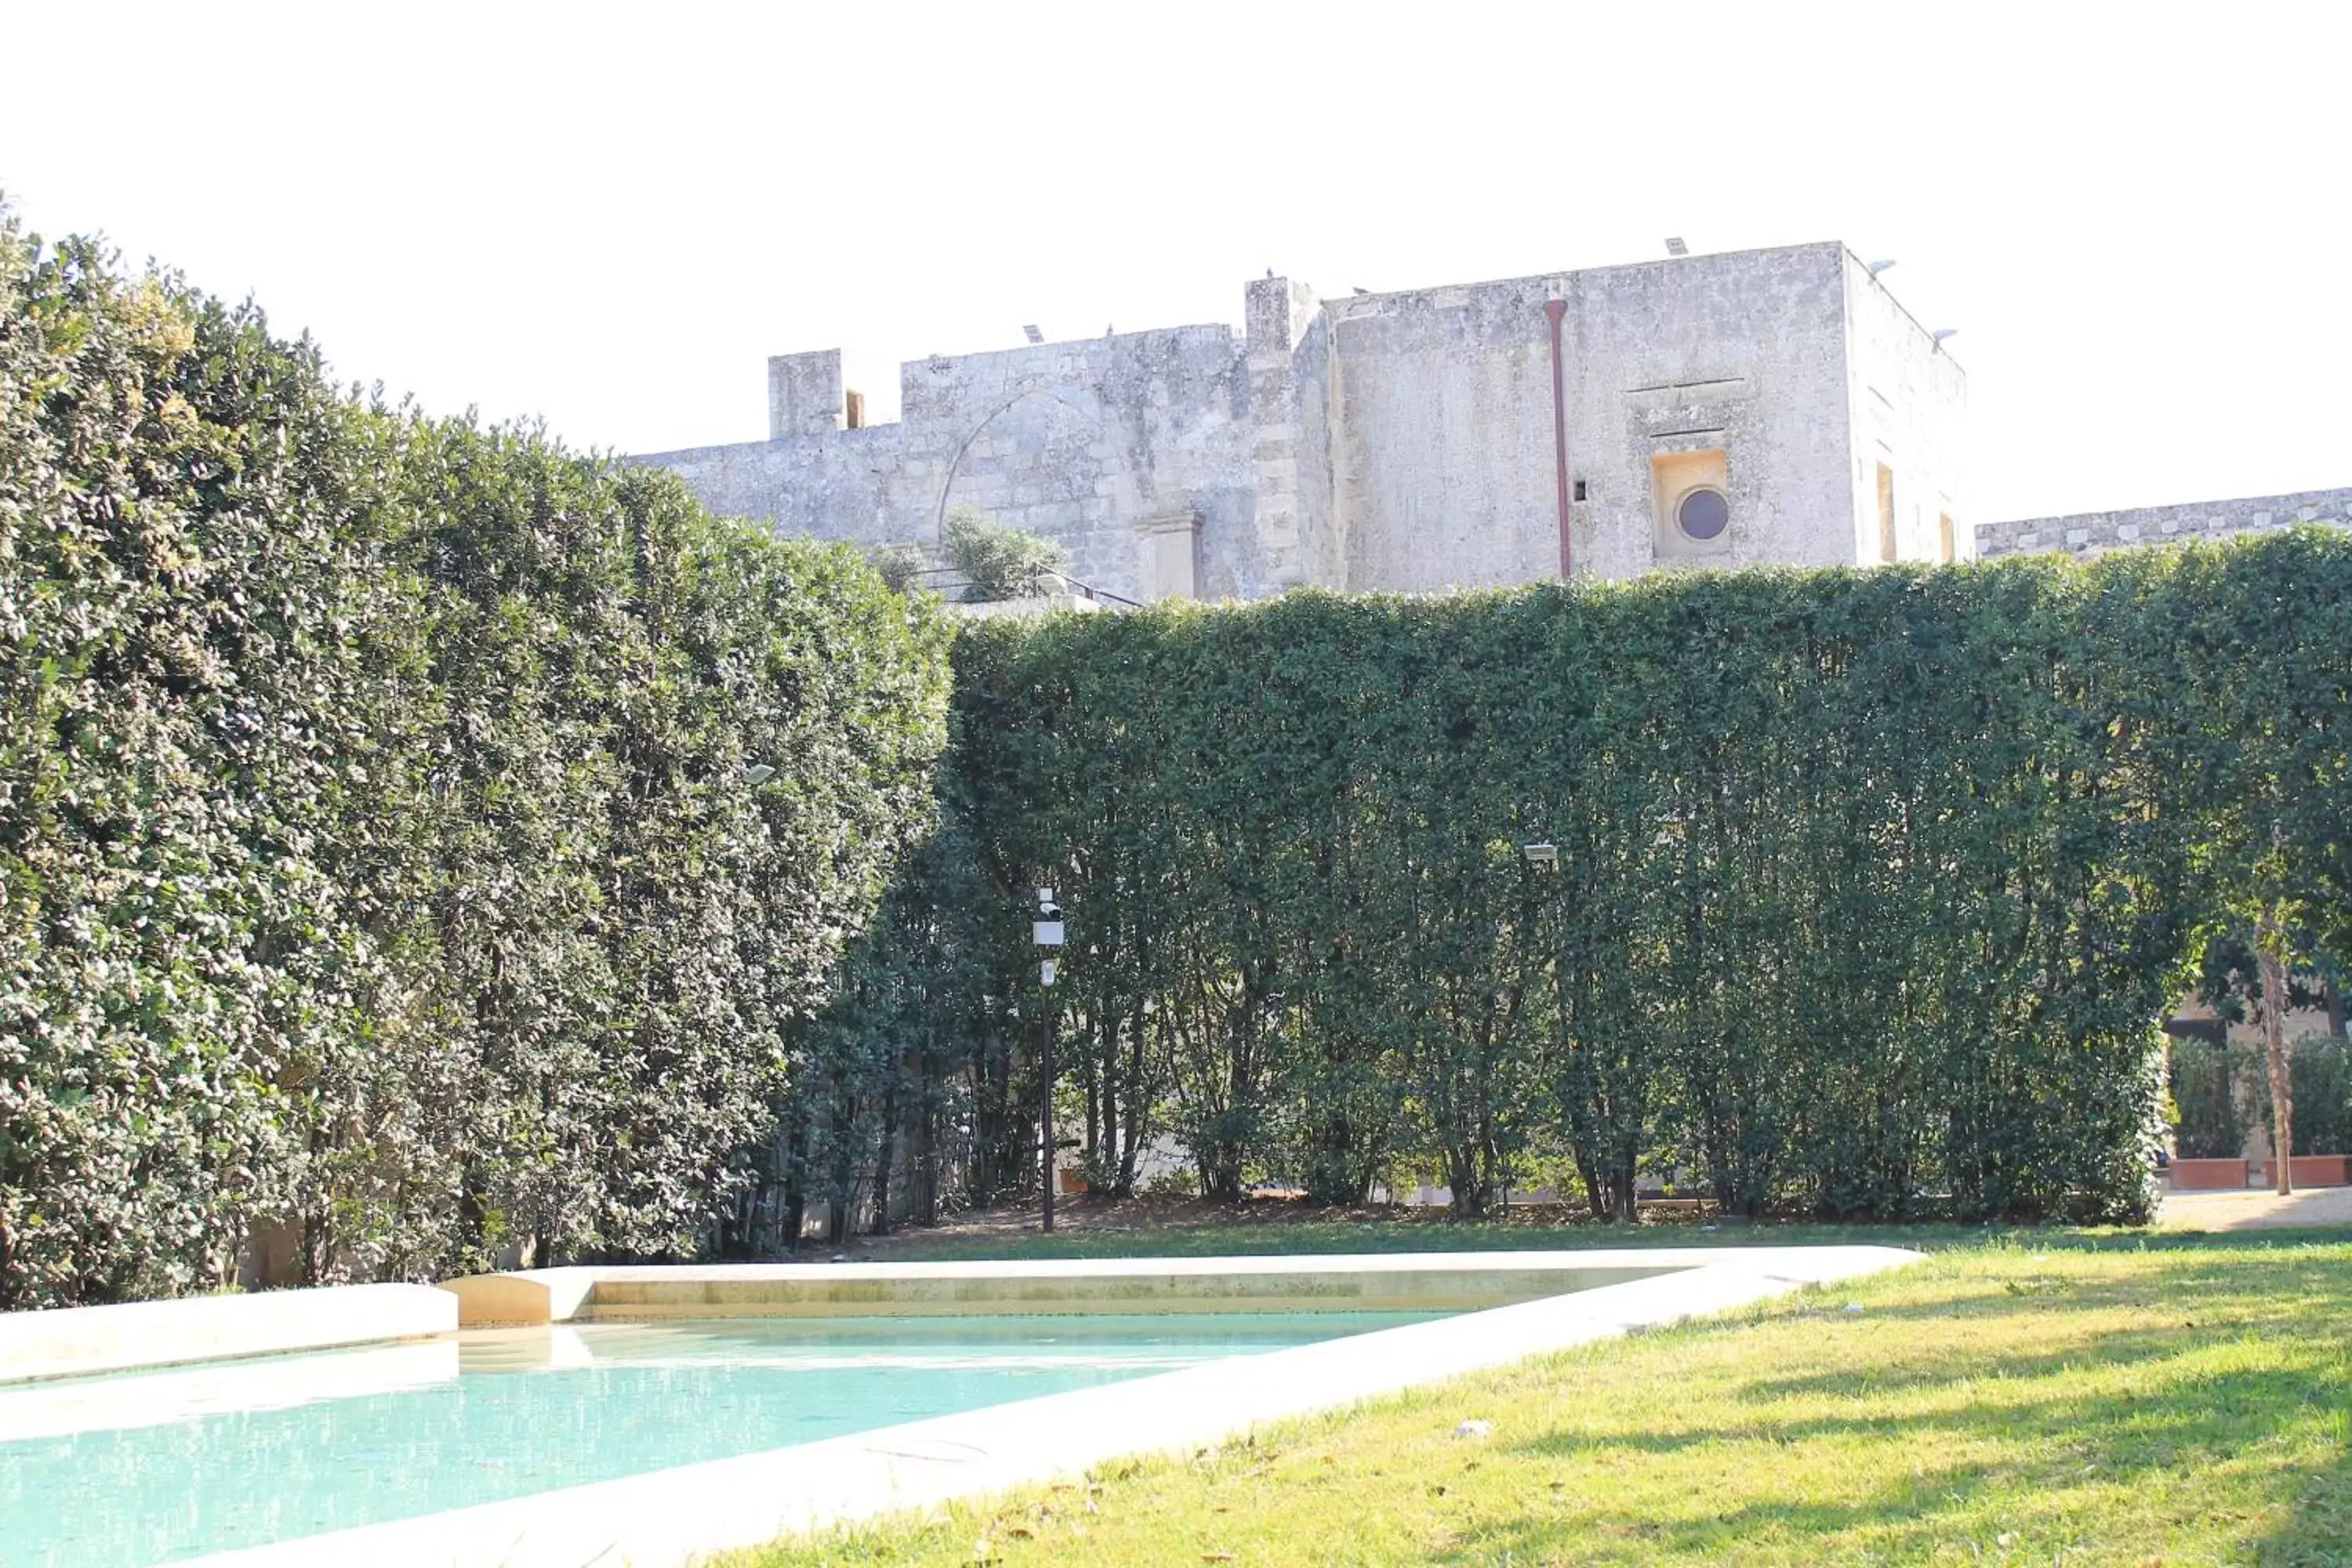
140 1336
1424 1281
668 1518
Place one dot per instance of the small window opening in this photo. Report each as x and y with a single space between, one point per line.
1579 490
1703 514
1690 494
1885 512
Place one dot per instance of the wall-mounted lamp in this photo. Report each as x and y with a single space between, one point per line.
1543 856
1878 266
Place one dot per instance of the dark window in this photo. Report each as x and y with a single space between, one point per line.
1703 514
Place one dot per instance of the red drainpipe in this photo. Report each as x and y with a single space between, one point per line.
1553 311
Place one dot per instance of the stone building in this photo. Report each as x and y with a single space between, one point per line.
1764 405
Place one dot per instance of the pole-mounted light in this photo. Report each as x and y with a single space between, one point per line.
1045 931
1045 934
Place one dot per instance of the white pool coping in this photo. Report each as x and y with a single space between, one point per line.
75 1342
163 1396
1404 1282
672 1517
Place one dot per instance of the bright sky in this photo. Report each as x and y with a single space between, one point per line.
2138 216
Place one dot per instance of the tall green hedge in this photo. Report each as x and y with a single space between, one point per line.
385 881
381 880
1871 890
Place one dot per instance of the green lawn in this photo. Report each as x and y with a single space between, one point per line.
2038 1397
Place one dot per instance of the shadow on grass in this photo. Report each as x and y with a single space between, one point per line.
2024 1447
2318 1533
2043 1451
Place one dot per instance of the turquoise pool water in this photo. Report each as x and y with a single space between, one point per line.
158 1467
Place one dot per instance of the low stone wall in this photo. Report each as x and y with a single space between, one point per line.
72 1342
2091 534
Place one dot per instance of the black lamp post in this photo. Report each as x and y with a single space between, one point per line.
1045 934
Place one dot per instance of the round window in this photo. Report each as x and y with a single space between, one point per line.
1703 514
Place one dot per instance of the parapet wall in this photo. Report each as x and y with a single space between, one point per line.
2091 534
1088 443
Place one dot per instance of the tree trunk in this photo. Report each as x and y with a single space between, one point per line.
1469 1186
927 1134
1131 1134
794 1149
2268 946
885 1156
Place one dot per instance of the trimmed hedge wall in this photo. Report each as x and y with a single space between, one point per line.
384 882
1872 886
379 870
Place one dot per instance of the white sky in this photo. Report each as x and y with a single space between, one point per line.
2139 215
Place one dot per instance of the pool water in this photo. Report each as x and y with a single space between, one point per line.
156 1467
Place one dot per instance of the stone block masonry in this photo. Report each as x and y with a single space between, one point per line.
1401 441
2092 533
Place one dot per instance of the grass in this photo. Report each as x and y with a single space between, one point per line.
2040 1398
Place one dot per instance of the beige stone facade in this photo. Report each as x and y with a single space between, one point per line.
1408 441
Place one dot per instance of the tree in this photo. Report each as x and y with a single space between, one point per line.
1001 562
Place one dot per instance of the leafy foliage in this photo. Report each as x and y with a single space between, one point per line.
1002 561
1871 887
382 874
2323 1095
421 847
2206 1085
898 564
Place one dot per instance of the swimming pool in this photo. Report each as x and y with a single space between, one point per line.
160 1465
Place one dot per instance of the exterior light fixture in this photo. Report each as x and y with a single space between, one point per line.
1033 334
1940 333
1046 933
1675 245
1544 855
758 773
1878 266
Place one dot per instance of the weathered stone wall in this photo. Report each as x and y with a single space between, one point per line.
1291 496
1080 442
2092 533
1743 352
1444 442
1909 411
1443 456
1398 441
